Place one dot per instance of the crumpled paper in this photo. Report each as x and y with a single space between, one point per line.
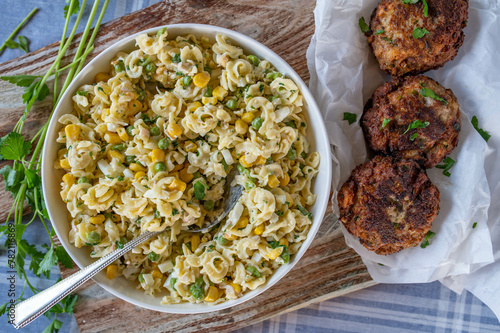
344 74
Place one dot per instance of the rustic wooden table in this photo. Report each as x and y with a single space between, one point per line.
328 269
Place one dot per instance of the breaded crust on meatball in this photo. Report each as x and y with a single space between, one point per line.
388 204
414 118
400 43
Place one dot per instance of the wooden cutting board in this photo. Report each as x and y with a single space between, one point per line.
328 269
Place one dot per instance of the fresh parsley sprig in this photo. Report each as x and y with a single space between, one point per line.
22 178
448 163
23 41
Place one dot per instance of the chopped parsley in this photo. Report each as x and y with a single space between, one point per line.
363 26
350 117
82 93
485 134
420 32
416 124
426 92
304 212
474 225
199 190
175 212
427 238
385 122
378 32
448 163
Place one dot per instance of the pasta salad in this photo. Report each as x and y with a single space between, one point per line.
148 147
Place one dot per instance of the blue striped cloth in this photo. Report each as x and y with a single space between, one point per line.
382 308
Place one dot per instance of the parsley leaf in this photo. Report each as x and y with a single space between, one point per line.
427 238
363 26
385 122
305 212
14 147
420 32
448 164
199 190
406 2
475 123
426 92
49 260
474 225
22 80
378 32
63 257
416 124
350 117
413 136
22 44
73 10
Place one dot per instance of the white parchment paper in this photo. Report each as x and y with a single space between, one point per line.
344 74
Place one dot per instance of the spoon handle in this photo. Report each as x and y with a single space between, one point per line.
32 308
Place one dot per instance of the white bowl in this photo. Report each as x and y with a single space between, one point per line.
121 287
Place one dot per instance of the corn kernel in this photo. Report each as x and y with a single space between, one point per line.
274 253
114 154
248 117
99 219
139 175
112 138
136 167
185 176
260 160
190 146
194 106
177 185
219 93
104 114
259 229
157 155
236 287
122 133
134 106
273 181
156 274
102 76
209 100
201 79
178 167
213 294
242 222
112 271
229 236
241 126
72 131
174 130
65 164
285 180
284 241
243 162
68 179
195 241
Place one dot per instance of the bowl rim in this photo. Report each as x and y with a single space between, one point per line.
311 108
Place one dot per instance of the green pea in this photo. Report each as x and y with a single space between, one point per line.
257 123
160 166
120 66
142 95
93 237
232 104
82 180
161 32
153 256
196 175
186 80
291 124
140 278
208 93
208 69
129 159
292 154
209 205
254 271
119 147
222 241
176 58
154 131
285 255
150 68
274 75
157 214
172 283
254 60
163 143
196 289
241 168
249 185
129 130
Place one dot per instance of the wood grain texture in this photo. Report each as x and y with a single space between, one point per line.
328 269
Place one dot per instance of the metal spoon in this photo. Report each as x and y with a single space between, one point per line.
32 308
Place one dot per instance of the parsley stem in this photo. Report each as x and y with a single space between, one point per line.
16 30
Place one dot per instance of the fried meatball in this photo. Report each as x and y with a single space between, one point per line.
388 204
406 41
414 118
